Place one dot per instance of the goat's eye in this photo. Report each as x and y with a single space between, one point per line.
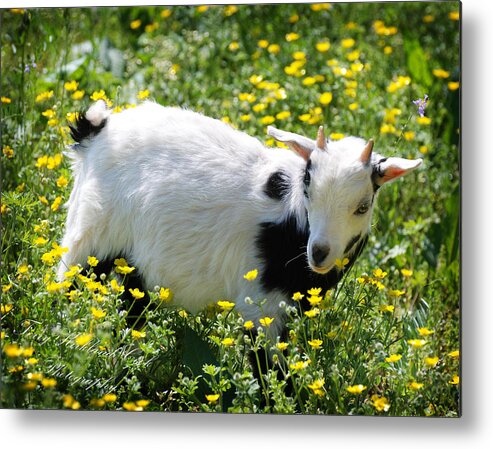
362 209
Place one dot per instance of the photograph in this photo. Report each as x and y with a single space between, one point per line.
232 209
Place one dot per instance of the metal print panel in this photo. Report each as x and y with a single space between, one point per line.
232 208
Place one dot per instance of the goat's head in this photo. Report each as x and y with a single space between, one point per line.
340 180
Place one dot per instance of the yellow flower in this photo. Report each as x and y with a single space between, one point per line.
283 115
165 294
297 366
230 10
379 273
78 94
226 305
322 46
423 120
353 56
380 403
340 264
62 181
415 385
143 94
274 49
251 275
440 73
165 13
97 313
348 43
317 386
6 288
309 81
297 296
353 106
116 287
387 50
40 241
83 339
424 331
312 313
454 354
431 361
56 203
212 398
398 83
228 341
406 273
282 345
266 321
259 107
409 135
455 380
23 269
134 24
314 300
12 350
263 43
356 389
315 343
393 358
49 383
43 96
136 293
290 37
417 343
454 15
267 120
453 85
428 18
109 397
248 325
336 136
8 152
137 334
92 261
244 96
386 308
5 100
325 98
48 113
233 46
396 293
71 85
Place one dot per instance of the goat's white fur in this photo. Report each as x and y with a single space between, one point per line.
181 196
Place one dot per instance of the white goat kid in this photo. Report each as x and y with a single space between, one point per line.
194 205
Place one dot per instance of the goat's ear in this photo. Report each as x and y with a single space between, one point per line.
302 145
392 168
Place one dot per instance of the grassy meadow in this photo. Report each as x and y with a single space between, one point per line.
385 342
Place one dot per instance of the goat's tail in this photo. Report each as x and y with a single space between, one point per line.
90 123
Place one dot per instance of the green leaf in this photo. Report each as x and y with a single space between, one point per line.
417 63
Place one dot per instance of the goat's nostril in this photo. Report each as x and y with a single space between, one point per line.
319 253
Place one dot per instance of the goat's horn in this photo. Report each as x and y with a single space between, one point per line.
321 138
366 155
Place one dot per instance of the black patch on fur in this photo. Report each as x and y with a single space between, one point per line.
277 186
135 307
377 173
83 128
282 247
307 177
351 243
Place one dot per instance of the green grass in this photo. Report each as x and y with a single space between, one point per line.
244 65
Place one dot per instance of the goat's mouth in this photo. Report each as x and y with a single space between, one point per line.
321 270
